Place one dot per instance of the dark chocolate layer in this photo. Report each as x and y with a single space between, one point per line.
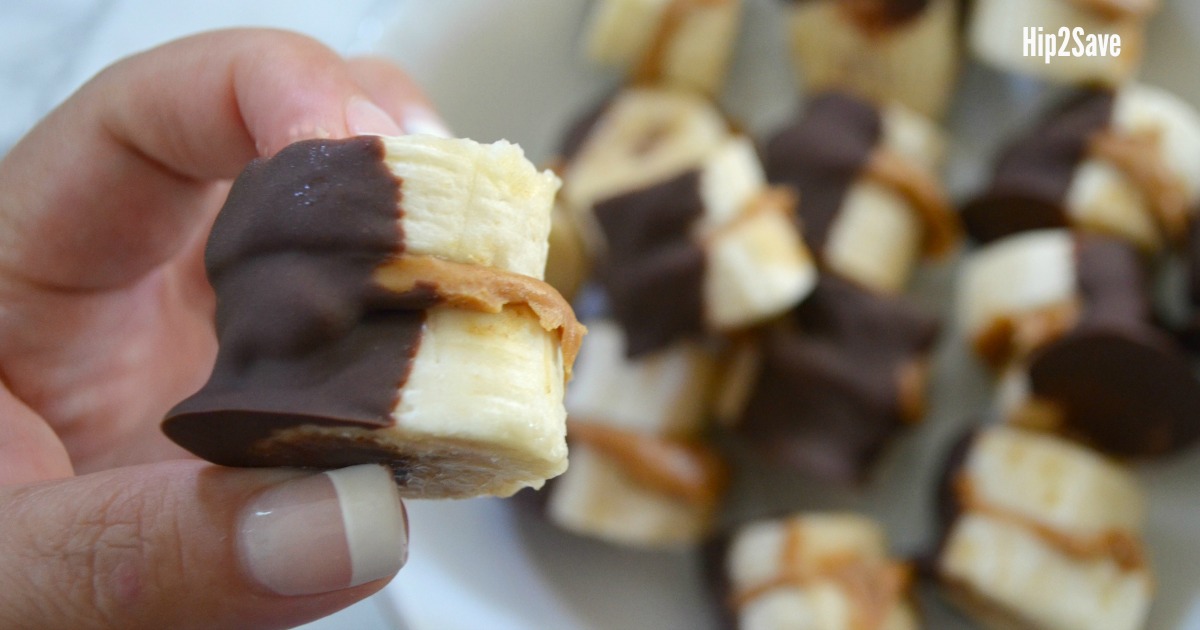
1121 384
581 129
1029 187
653 270
714 568
1188 332
306 339
827 398
947 505
822 156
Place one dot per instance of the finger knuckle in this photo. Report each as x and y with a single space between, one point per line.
108 555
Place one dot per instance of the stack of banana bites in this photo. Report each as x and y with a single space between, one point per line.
757 293
686 240
810 570
1080 217
1039 532
1059 300
826 388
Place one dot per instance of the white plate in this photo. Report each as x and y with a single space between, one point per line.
513 70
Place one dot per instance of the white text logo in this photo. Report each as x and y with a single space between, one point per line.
1069 42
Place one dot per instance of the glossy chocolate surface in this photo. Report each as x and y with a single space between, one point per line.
653 270
306 338
1121 384
1032 176
821 156
827 398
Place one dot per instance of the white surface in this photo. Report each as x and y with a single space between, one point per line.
513 70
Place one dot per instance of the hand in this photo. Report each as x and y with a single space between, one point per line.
106 322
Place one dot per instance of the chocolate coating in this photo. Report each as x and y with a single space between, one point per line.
306 338
1193 263
581 129
653 270
947 505
821 156
1029 186
1188 332
827 398
1121 384
714 563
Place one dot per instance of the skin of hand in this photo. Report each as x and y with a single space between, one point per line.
106 321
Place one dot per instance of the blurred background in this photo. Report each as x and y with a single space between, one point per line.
513 69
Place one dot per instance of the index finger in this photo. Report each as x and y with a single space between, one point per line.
110 184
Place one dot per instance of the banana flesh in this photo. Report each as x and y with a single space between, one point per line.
1047 536
681 43
645 136
661 396
481 411
795 573
1102 197
914 62
1018 288
756 263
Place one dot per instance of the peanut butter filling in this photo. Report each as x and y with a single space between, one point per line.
1008 338
650 70
911 378
875 18
779 199
1037 414
1122 547
923 194
874 587
1114 10
682 469
1139 156
488 290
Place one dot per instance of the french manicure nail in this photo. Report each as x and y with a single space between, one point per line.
419 119
365 117
325 532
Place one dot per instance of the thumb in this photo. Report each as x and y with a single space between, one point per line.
189 545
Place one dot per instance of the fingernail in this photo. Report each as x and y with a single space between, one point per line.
325 532
365 117
419 119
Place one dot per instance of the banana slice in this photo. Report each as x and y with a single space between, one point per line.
1007 34
676 208
379 300
1018 293
825 571
642 137
873 51
709 250
639 475
869 201
682 43
666 393
1045 534
1124 163
1066 318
